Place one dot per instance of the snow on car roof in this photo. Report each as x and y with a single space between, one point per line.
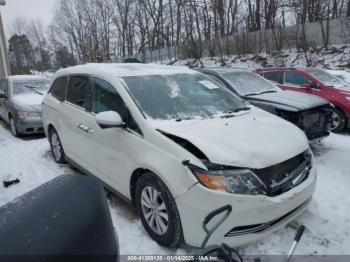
25 77
121 70
228 69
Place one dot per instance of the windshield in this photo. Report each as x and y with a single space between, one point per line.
25 86
343 78
181 96
247 83
326 78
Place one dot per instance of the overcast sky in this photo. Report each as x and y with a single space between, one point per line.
37 9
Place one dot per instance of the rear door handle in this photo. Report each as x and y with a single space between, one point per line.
85 128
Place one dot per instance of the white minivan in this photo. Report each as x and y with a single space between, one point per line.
179 145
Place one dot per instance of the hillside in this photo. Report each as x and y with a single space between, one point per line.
334 57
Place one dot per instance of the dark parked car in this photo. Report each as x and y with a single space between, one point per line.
66 219
317 82
20 103
310 113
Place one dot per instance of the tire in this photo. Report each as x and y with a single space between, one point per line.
56 147
339 120
13 128
170 234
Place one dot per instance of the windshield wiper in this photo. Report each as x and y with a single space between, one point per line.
256 94
236 110
33 89
265 92
183 119
252 94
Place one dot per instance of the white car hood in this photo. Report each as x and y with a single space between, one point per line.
255 139
28 102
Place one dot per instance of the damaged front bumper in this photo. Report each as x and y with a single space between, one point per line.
252 218
316 123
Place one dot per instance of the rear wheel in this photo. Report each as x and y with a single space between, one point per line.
13 127
56 147
157 210
339 120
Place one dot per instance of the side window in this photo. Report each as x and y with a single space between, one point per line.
273 76
58 89
295 78
78 92
5 87
106 98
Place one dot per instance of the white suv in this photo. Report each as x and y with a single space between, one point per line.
179 145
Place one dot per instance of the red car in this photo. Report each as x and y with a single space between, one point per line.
318 82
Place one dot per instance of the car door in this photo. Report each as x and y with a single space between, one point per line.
294 81
108 151
73 110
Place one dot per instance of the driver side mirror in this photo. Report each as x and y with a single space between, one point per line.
109 119
306 86
2 95
310 85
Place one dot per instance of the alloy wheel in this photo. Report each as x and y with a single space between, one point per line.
154 210
56 146
335 120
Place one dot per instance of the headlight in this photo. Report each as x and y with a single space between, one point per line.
235 181
23 114
348 98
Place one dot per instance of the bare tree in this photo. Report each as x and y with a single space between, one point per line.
108 30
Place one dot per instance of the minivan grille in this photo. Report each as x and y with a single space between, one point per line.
282 177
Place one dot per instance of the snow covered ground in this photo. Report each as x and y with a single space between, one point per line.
335 57
344 75
327 220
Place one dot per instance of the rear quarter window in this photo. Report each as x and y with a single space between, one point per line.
2 83
58 89
5 87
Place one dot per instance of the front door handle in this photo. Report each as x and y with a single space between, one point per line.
85 128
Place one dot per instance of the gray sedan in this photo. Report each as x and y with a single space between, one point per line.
20 103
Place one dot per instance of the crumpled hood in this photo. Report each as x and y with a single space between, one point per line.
255 139
28 102
295 101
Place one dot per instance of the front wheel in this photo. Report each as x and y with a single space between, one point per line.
56 147
339 120
13 128
157 210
